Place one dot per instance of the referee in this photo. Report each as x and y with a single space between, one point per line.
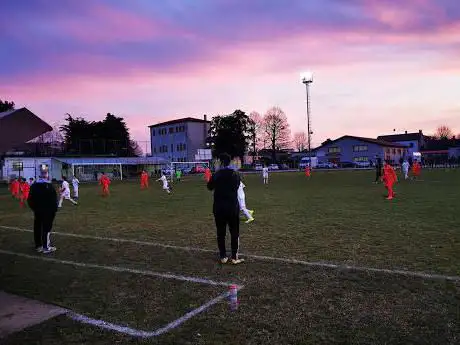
225 183
43 202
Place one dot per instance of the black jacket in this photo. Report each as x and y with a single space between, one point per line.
225 183
42 197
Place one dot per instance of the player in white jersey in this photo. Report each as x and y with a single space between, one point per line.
405 169
265 174
242 203
65 192
75 185
165 182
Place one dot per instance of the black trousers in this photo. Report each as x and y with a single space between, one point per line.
43 223
378 175
232 220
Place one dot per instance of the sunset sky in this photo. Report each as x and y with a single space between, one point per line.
378 65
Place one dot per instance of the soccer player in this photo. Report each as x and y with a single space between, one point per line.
265 174
65 192
225 184
165 183
242 203
207 174
76 186
416 169
15 188
308 171
104 182
178 174
405 169
25 189
144 180
389 179
378 170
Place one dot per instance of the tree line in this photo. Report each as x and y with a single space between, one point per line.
238 133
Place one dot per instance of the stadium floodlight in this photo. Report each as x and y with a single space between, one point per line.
307 78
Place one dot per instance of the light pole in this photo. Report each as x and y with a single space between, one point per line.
307 79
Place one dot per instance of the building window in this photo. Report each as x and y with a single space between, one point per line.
17 166
359 148
154 149
334 150
171 130
361 159
153 132
172 148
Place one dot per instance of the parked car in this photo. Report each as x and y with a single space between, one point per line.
326 165
347 164
273 167
259 167
362 164
284 166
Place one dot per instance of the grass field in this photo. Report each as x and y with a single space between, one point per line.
336 217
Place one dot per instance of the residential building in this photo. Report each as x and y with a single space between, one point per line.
179 140
352 149
414 141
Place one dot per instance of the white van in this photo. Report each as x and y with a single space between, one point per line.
306 161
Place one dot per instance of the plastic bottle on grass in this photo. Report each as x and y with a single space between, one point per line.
233 297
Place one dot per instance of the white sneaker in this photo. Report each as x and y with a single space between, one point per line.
237 261
250 220
39 249
48 250
223 260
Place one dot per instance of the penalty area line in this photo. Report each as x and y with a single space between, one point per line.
322 264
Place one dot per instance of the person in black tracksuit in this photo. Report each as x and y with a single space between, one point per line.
43 202
225 183
378 170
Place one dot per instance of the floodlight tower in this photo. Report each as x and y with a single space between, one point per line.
307 78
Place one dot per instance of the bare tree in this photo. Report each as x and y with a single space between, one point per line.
443 132
300 141
276 130
255 133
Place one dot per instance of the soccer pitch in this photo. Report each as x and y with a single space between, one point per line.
328 261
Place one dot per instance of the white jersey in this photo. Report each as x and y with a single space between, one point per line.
241 195
65 189
75 183
265 172
165 181
405 166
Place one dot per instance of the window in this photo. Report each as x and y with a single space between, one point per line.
172 148
361 159
334 150
153 132
359 148
171 130
154 149
17 166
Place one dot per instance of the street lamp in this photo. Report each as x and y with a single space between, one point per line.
307 78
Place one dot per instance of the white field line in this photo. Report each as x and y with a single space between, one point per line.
124 329
400 272
120 269
147 334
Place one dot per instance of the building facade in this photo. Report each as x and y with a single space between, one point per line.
351 149
414 141
179 140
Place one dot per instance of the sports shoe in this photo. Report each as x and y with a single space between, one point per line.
251 212
223 260
236 261
48 250
39 249
250 220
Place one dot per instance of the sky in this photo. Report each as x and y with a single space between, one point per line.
378 65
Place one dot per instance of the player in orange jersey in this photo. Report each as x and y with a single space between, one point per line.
15 188
25 189
416 170
207 175
144 180
104 182
308 171
389 179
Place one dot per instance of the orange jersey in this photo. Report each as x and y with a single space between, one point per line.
389 175
207 174
14 187
307 171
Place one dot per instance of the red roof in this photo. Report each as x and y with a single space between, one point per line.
19 126
185 119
